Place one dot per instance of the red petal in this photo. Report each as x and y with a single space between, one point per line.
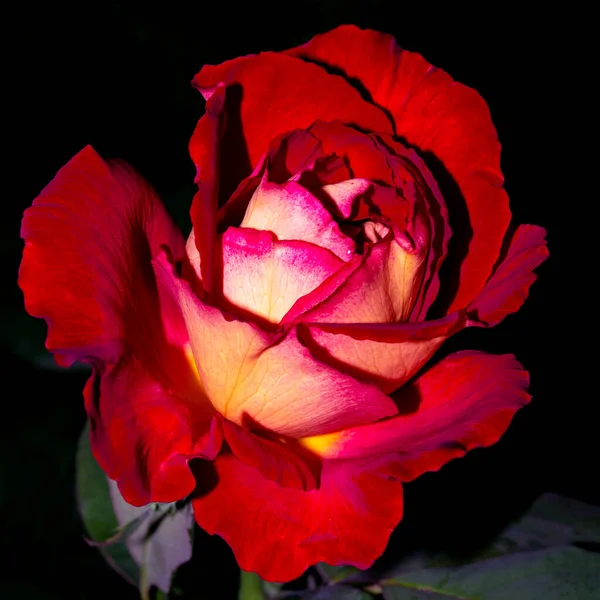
205 154
269 94
508 287
278 532
143 435
466 400
438 115
275 461
86 270
89 240
366 159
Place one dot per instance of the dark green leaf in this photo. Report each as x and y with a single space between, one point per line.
338 574
531 558
551 574
338 592
551 521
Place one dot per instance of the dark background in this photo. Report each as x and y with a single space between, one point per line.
116 75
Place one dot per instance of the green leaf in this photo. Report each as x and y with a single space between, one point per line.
551 574
95 507
531 558
338 574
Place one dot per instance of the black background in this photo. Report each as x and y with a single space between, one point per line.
116 75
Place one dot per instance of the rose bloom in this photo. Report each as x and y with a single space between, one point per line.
275 364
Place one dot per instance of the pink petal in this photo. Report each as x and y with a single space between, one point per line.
270 379
291 212
388 354
278 532
381 290
345 193
265 277
508 287
466 400
404 192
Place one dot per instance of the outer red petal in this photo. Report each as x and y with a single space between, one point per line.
89 238
508 287
466 400
278 532
438 115
269 94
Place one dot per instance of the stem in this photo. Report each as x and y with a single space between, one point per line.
251 587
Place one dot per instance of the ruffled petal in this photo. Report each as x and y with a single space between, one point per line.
508 287
440 116
89 240
429 225
278 532
89 237
465 401
270 380
398 188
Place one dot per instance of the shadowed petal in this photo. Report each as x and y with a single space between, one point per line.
272 94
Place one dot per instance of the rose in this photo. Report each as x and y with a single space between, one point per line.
339 237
